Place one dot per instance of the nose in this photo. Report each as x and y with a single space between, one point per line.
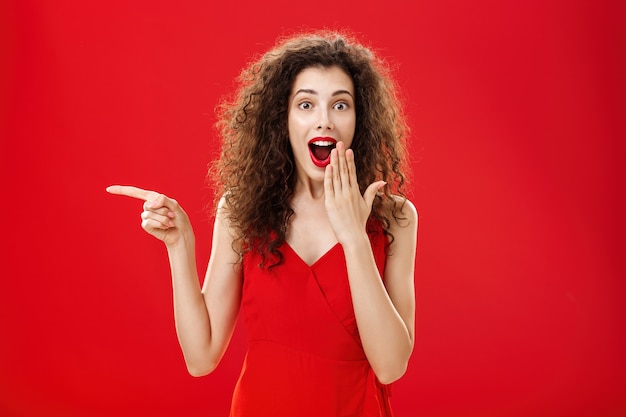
324 122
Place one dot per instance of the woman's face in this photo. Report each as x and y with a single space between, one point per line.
321 113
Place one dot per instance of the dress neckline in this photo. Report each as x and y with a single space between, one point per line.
318 260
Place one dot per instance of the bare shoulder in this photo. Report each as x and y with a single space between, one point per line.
406 213
222 207
404 227
224 233
222 214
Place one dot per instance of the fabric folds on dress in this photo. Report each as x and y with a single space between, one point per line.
305 357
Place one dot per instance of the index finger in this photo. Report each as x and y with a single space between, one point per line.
130 191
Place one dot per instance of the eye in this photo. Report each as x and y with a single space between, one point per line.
340 106
305 105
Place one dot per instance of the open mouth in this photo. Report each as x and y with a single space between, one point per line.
319 149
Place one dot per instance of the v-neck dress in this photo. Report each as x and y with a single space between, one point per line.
305 357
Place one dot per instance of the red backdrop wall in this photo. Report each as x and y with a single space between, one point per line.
517 147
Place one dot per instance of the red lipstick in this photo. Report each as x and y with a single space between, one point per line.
319 149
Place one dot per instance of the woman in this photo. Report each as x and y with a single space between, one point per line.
322 260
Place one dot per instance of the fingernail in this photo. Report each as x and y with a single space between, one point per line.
150 204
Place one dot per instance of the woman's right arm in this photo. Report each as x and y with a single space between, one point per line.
205 318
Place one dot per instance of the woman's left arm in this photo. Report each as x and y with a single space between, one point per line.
384 310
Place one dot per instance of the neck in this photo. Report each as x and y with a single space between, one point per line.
307 188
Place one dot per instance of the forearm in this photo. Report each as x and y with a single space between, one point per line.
204 319
385 336
190 311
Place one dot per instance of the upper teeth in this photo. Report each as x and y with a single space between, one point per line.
323 143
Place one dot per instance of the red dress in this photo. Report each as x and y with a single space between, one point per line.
305 356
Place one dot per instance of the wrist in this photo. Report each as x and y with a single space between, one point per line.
356 243
185 242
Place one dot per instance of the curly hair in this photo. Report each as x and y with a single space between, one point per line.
256 174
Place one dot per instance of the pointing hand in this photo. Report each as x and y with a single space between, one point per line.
162 217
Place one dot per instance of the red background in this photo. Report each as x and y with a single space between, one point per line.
517 110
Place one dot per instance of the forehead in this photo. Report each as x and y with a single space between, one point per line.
323 80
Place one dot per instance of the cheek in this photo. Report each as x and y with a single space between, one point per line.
295 132
294 124
348 129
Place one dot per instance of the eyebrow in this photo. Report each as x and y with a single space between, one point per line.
309 91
